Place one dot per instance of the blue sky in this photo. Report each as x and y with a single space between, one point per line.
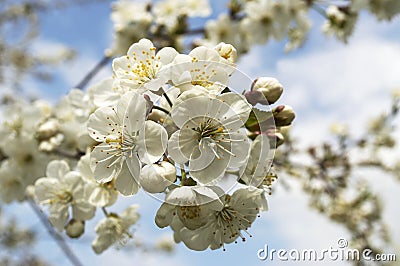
325 82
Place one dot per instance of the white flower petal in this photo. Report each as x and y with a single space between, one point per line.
46 188
84 167
139 47
208 173
135 113
259 162
125 182
58 215
164 215
205 53
73 182
57 169
182 196
99 196
167 55
198 239
106 166
152 143
105 93
240 147
181 145
202 155
238 112
209 197
189 106
103 122
82 210
153 178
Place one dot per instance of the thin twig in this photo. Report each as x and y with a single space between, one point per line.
161 109
86 79
195 31
168 99
104 211
69 155
319 10
55 235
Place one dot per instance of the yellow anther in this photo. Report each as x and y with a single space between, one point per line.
108 140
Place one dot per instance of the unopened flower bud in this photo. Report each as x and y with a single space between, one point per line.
75 228
157 177
283 115
271 88
264 90
226 51
276 137
47 129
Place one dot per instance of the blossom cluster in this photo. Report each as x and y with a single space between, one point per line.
246 23
257 21
134 20
168 123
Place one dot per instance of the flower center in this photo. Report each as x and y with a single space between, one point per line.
215 136
64 197
145 69
209 128
123 145
190 212
201 76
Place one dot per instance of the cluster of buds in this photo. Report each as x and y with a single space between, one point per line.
265 91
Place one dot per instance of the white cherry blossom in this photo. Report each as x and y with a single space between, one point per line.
98 194
190 204
60 190
225 225
142 68
209 137
114 228
127 141
202 69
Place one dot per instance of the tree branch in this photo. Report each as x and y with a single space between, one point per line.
86 79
